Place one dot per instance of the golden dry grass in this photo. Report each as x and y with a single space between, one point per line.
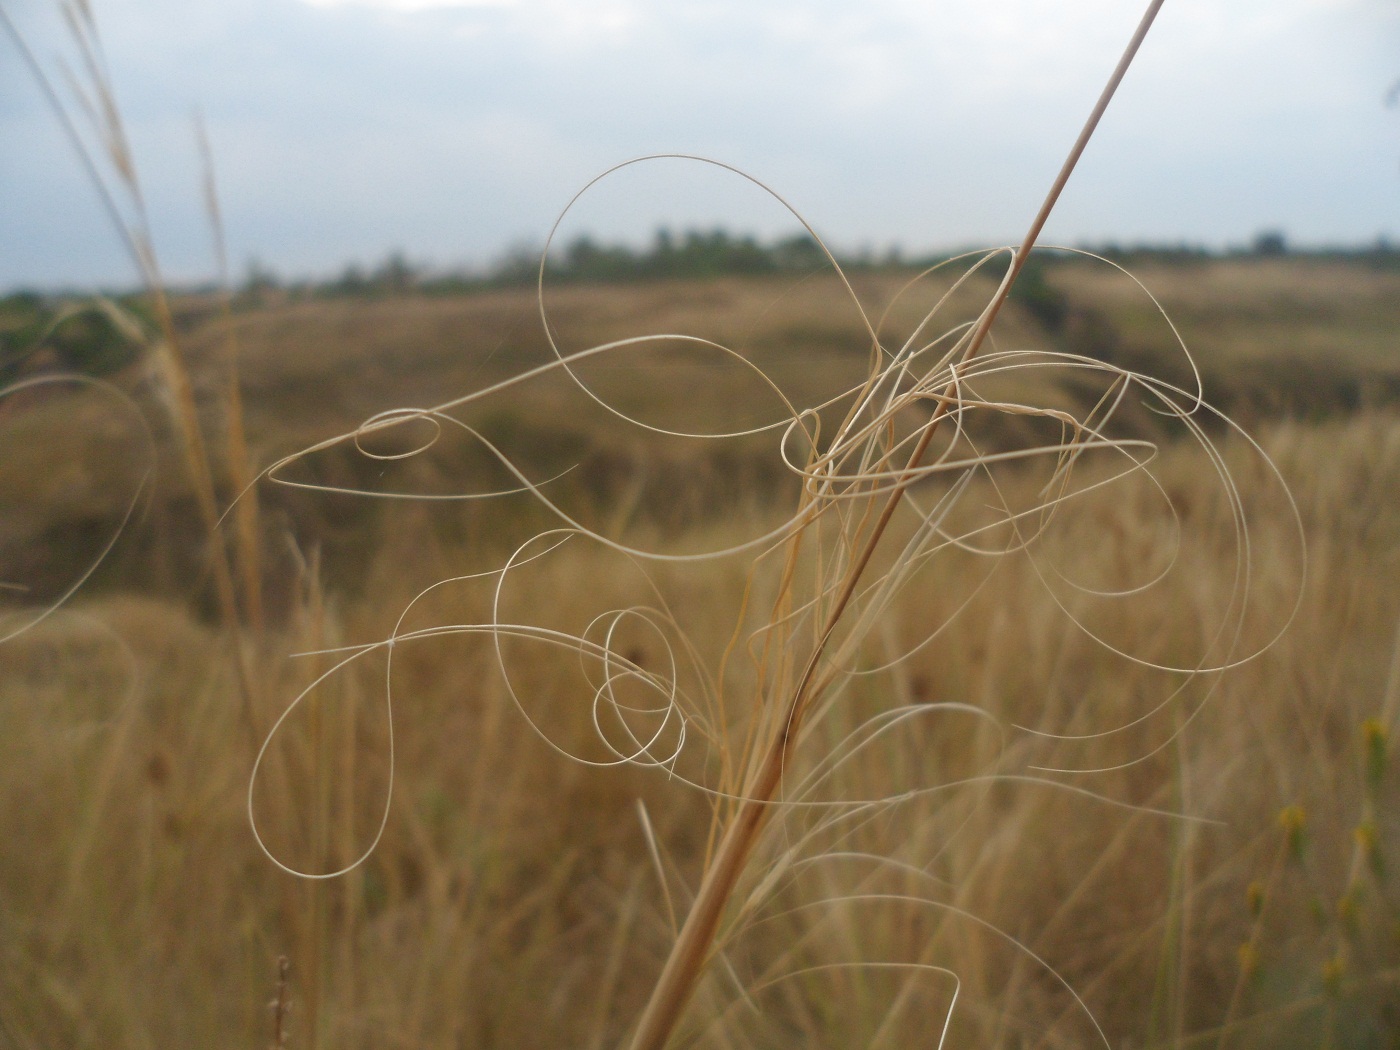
513 901
1243 313
985 762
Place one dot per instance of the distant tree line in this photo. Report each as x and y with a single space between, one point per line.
95 336
693 254
718 253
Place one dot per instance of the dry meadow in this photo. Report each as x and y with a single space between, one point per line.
1108 752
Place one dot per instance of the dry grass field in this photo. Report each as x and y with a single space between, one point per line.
1033 802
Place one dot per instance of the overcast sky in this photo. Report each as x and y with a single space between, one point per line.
454 129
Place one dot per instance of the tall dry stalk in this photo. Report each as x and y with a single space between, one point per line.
677 983
242 480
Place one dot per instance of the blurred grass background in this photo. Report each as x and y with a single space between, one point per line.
514 899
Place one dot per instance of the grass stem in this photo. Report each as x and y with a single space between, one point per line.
691 951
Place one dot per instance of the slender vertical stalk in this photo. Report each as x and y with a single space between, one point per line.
690 953
247 532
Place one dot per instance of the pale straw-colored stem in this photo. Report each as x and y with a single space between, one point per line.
691 951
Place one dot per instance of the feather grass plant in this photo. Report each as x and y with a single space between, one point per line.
837 568
676 984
